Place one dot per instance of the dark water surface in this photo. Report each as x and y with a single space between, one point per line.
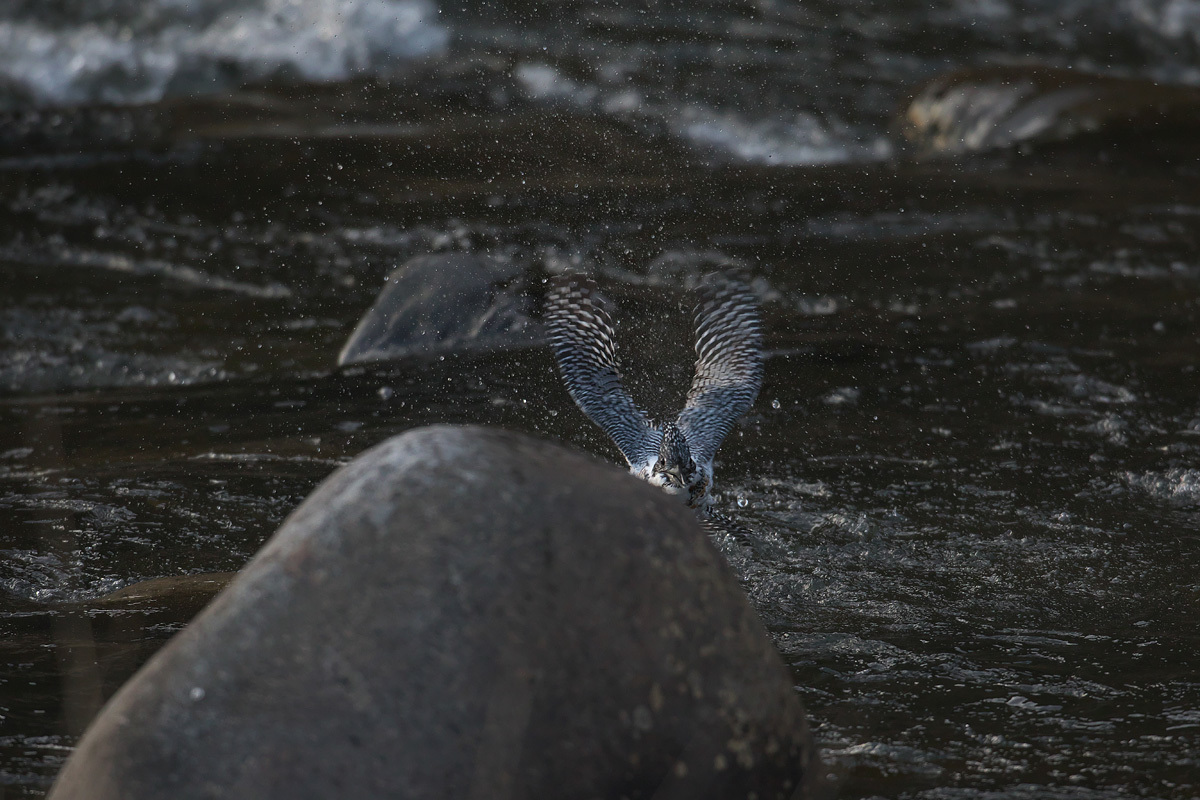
974 469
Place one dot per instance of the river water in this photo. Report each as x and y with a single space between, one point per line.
973 473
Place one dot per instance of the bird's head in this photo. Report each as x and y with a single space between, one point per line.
675 470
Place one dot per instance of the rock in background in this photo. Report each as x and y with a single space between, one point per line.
464 612
996 107
444 302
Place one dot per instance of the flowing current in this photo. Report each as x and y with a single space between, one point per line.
974 469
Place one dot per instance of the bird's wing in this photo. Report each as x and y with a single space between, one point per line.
581 335
729 363
716 523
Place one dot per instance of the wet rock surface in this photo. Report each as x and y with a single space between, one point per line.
445 303
464 612
983 109
185 595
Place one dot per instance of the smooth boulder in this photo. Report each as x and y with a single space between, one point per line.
994 107
464 612
441 303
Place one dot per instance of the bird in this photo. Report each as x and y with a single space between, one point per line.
675 455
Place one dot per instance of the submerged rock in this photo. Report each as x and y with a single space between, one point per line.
463 612
444 302
981 109
186 594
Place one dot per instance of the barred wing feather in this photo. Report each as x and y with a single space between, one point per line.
729 364
718 524
581 335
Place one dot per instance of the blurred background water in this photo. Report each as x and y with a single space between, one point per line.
775 82
972 473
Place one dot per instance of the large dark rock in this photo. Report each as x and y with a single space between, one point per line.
463 612
444 302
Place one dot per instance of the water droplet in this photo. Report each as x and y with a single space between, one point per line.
386 392
742 502
197 694
775 404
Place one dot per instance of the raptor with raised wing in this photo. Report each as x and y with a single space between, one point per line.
676 455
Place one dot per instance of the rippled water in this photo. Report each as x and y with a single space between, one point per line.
974 469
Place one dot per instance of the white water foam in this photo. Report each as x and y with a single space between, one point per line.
798 138
135 60
1172 19
1179 486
